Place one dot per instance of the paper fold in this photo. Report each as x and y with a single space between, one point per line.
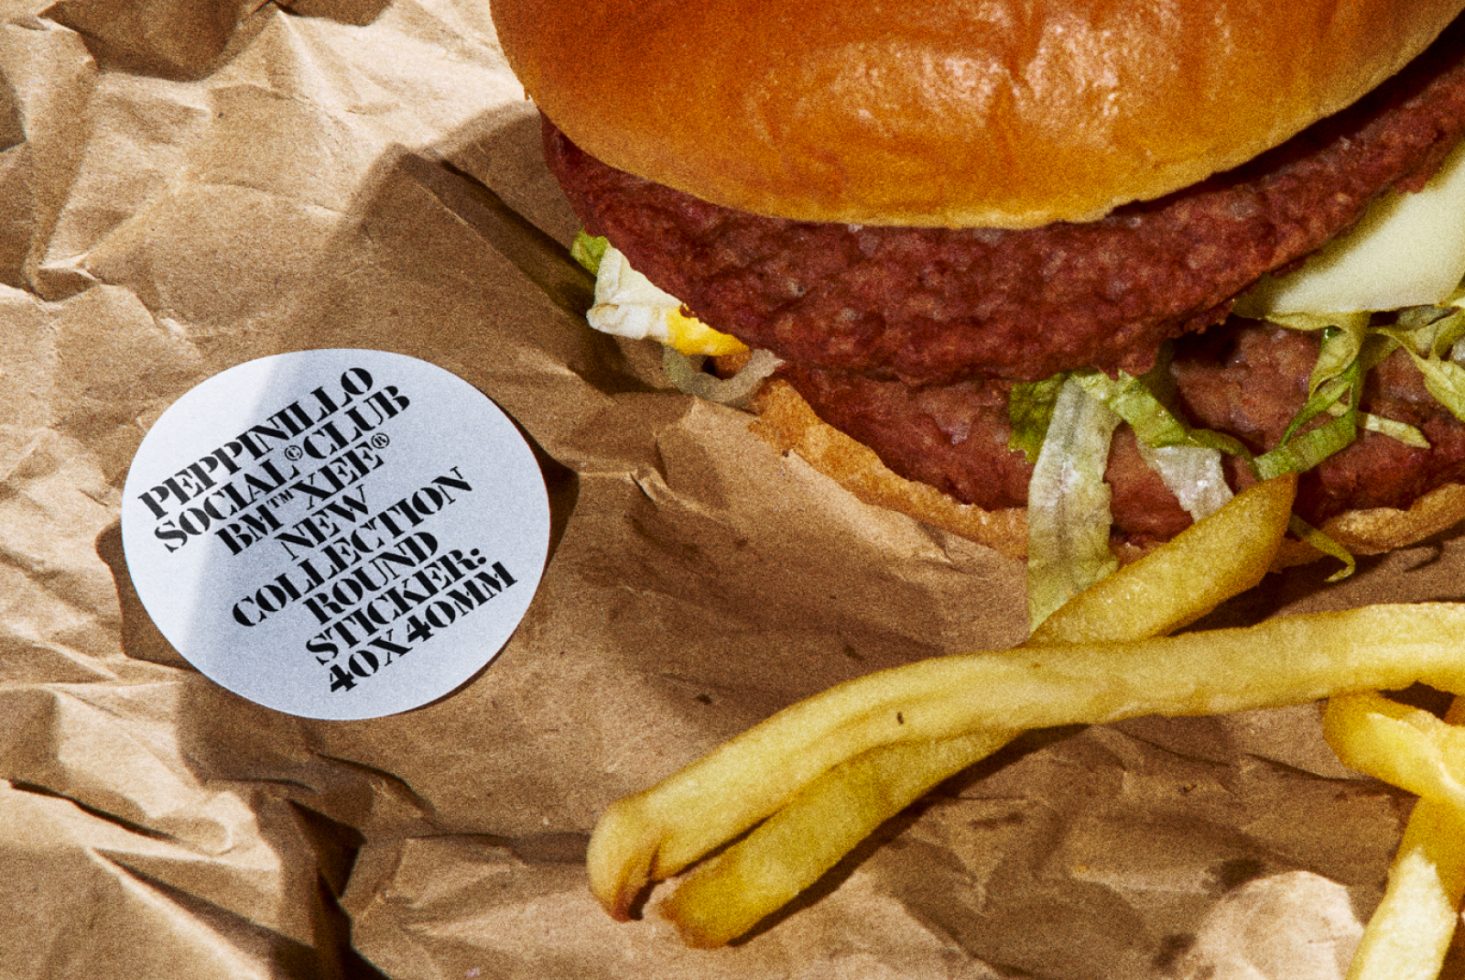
188 185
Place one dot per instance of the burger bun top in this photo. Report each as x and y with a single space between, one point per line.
965 113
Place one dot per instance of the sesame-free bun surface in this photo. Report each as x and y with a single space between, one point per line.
993 113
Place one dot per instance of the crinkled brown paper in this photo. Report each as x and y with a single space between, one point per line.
186 185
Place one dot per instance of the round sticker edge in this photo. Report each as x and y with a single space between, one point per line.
172 466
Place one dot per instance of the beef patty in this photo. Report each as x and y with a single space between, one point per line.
1250 381
932 305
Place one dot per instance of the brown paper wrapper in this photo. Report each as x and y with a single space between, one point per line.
187 185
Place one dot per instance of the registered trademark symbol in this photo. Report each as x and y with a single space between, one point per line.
293 453
380 441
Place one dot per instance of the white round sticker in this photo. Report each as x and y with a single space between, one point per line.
336 533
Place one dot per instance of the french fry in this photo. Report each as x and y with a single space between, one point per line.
1221 556
1405 747
1409 933
1289 660
789 851
1179 582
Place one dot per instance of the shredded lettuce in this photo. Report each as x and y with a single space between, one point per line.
588 250
1193 474
1340 345
1029 409
1350 347
1431 337
1321 542
1445 381
1302 453
1299 451
1394 429
1154 425
1068 503
686 374
1031 405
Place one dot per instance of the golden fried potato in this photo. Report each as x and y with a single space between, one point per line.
1221 556
1288 660
1182 580
727 896
1410 931
1406 747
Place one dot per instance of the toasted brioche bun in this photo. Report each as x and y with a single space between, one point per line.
967 113
786 422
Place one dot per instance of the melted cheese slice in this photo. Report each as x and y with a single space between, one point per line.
1409 250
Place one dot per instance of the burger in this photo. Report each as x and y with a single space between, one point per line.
1098 262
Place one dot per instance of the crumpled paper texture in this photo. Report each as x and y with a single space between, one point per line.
188 184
